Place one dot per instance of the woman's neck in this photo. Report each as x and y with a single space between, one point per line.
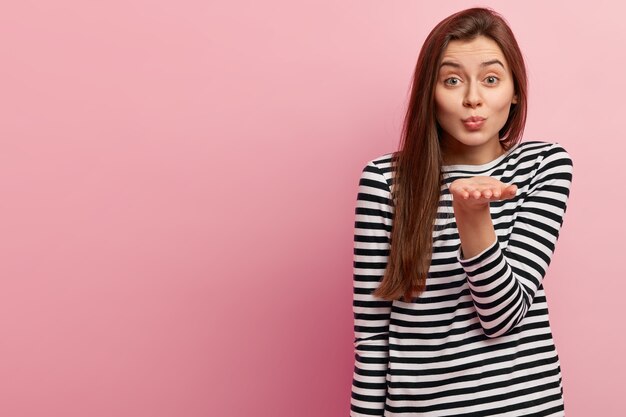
456 153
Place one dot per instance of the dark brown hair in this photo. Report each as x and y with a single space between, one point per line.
418 162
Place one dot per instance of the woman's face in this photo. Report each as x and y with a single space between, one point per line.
474 80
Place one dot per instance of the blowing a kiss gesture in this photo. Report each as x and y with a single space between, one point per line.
477 192
470 201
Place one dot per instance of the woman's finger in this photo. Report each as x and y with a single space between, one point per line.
512 191
468 191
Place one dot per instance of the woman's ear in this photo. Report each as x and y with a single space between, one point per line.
514 100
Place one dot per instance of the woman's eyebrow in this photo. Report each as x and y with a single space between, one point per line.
484 64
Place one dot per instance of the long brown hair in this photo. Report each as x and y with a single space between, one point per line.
418 162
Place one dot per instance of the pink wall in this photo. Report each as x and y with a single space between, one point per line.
178 183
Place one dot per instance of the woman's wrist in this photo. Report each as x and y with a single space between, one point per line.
461 206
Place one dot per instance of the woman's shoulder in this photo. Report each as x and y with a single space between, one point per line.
542 152
382 164
540 147
380 169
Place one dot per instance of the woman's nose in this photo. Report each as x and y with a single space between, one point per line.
472 96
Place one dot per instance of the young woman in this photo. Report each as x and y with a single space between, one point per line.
453 237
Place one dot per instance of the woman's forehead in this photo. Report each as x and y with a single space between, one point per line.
481 51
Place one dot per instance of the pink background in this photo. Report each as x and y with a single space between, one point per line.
178 183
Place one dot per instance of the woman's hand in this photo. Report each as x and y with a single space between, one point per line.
477 192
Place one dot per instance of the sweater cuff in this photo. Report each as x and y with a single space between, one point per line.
487 255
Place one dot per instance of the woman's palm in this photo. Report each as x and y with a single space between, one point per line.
480 190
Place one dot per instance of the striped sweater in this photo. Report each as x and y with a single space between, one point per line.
477 341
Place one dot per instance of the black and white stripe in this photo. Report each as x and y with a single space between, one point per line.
478 340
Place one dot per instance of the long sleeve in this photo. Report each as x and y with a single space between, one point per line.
373 217
503 282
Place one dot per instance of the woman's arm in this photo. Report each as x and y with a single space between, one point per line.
475 227
503 283
371 314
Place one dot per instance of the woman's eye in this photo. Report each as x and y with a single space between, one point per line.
492 79
451 81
